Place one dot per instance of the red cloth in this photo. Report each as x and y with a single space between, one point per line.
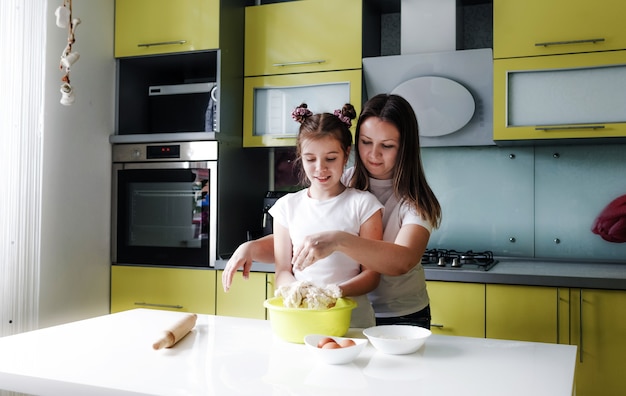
611 222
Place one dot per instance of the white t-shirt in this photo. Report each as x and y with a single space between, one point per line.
347 211
403 294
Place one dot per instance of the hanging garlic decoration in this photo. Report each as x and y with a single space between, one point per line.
68 57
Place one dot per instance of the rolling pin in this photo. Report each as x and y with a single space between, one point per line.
176 332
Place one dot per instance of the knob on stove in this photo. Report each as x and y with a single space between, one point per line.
456 262
441 262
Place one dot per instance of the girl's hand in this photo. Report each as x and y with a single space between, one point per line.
315 247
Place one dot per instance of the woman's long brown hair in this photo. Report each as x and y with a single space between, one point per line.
409 180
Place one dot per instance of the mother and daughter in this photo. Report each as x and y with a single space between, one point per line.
333 231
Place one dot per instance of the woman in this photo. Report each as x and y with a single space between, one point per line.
389 165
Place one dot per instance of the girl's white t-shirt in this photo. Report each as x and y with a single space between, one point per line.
347 211
403 294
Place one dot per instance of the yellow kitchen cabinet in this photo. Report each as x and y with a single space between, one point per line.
524 313
172 289
457 308
148 27
576 96
269 100
245 297
598 327
271 286
303 36
539 27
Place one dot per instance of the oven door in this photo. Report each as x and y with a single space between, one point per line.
165 213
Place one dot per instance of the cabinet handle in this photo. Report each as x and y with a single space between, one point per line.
299 63
547 129
439 326
549 43
145 304
580 325
162 43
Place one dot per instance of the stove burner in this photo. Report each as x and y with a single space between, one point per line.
452 259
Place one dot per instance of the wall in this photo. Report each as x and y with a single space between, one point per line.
75 238
521 201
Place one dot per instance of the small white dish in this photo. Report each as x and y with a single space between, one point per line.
397 339
334 356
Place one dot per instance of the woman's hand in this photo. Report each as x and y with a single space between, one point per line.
315 247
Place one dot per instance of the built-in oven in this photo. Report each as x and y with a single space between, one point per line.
165 204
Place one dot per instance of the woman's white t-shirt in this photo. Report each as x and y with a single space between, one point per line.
347 211
403 294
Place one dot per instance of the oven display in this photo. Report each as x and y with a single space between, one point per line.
160 152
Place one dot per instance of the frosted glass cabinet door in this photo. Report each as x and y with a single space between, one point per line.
567 96
269 101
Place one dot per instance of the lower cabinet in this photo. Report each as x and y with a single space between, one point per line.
598 328
245 297
593 320
524 313
173 289
457 308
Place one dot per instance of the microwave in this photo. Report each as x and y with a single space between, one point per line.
183 108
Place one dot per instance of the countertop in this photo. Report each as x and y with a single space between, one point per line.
113 355
523 271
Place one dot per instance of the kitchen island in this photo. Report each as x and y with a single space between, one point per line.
113 355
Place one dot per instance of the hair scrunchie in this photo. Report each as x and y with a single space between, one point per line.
301 113
343 118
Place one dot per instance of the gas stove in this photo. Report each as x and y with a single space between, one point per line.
456 260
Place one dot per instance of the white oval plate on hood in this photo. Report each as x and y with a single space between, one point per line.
442 106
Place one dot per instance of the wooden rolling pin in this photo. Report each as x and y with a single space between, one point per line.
176 332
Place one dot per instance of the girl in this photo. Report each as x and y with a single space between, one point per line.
322 151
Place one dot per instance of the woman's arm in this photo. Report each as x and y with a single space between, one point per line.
367 280
261 250
282 251
388 258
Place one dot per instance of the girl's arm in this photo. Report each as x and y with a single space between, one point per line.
368 279
388 258
282 251
261 250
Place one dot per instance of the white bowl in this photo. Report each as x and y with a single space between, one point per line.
334 356
397 339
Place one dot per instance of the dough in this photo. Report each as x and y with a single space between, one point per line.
304 294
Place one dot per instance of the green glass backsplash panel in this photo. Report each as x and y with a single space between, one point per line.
573 184
536 196
487 198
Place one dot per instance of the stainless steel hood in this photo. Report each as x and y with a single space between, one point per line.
450 91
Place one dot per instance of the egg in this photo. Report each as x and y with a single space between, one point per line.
346 343
331 345
324 341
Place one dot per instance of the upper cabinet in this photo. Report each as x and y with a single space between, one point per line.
148 27
269 100
538 27
575 96
306 51
559 71
303 36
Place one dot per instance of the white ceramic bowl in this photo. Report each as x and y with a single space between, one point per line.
334 356
397 339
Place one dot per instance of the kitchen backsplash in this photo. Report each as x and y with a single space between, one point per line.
527 201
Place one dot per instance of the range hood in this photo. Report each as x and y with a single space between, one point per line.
450 91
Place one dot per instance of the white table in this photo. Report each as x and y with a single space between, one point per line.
113 355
